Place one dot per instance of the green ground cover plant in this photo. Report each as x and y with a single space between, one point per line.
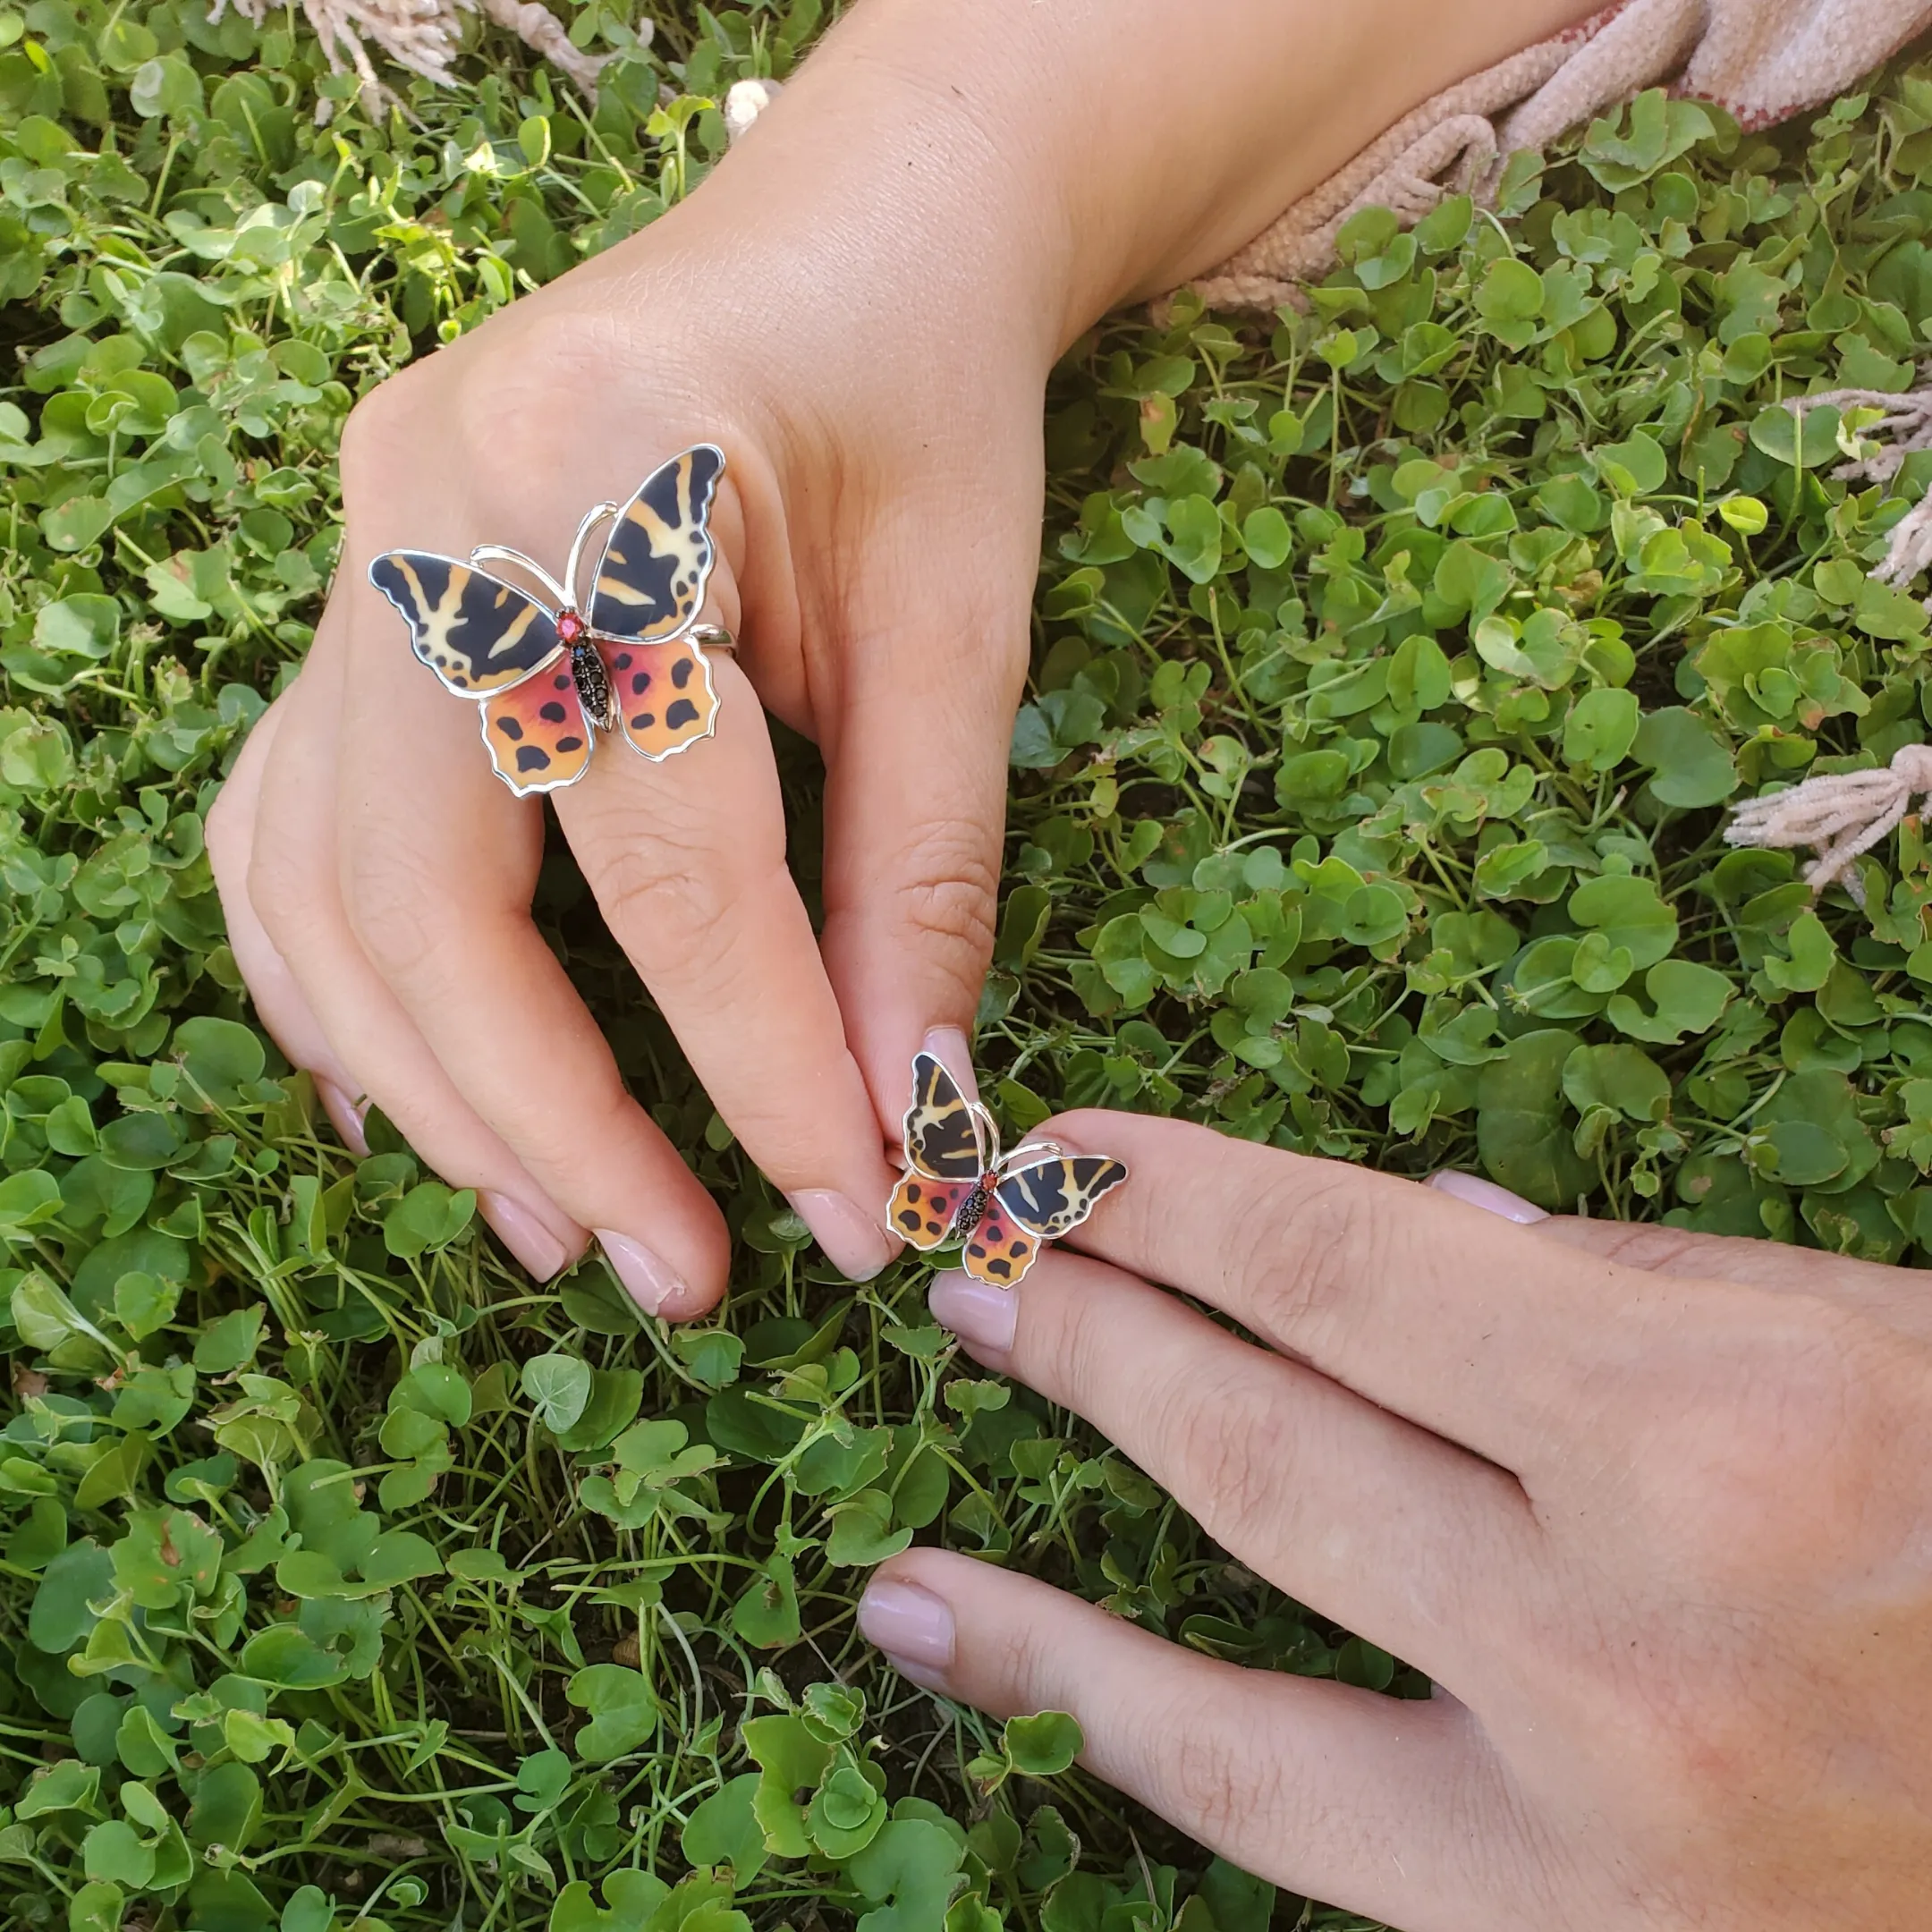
1394 663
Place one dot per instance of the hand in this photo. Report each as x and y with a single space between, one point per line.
1651 1509
877 536
860 305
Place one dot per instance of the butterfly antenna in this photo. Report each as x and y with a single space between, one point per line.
595 515
490 552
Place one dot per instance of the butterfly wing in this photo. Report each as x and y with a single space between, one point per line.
1051 1196
475 633
657 561
921 1209
664 697
538 737
944 1139
998 1251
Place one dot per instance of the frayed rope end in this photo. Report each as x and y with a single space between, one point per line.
1839 815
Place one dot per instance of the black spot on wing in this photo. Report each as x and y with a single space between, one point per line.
643 721
532 758
679 712
553 713
509 728
570 744
641 684
680 672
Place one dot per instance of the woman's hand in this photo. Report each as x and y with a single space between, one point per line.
877 528
860 305
1653 1510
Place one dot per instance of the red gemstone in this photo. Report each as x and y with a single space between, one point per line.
570 626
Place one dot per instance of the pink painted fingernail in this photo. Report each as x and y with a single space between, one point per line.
910 1624
951 1049
854 1243
346 1114
981 1316
1486 1195
523 1234
647 1278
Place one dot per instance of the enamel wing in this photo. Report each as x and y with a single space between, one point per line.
960 1188
547 678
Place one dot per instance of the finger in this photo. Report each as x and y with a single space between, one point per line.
291 884
1380 1805
687 860
1427 1306
1896 1296
279 1003
1376 1523
439 862
915 759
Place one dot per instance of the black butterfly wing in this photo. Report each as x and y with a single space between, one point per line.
657 561
478 634
944 1138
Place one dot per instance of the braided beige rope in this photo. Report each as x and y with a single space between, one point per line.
1763 60
1838 814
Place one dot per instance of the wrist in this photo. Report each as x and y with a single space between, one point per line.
1034 165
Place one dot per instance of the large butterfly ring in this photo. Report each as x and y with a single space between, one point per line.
548 677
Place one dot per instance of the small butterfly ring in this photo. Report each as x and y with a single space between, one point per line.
553 669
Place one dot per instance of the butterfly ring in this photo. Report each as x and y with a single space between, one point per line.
960 1189
548 678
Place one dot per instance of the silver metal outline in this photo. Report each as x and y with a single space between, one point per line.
592 518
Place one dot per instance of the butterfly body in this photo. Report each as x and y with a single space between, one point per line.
548 679
593 683
960 1188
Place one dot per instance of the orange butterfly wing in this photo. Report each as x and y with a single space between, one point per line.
921 1209
666 698
1033 1202
538 737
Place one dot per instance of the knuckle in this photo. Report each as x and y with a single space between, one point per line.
668 895
1239 1460
397 910
946 886
1790 1458
282 892
1298 1281
374 436
1226 1788
229 833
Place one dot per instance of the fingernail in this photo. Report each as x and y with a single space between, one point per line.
1486 1195
523 1234
853 1241
649 1279
981 1316
346 1116
910 1624
951 1049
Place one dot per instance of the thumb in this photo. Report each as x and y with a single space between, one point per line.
915 814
